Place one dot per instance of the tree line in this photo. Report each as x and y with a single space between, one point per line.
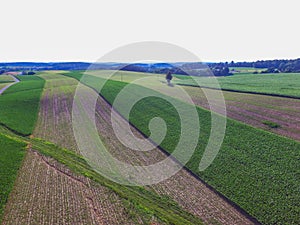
277 65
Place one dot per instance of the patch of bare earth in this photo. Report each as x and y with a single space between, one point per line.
54 120
254 109
46 192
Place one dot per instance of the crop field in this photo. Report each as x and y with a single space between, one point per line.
245 70
256 110
179 188
2 85
256 173
20 104
284 84
6 79
54 186
54 120
246 175
126 76
188 192
11 155
56 195
53 195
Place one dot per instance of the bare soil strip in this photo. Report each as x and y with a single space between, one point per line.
48 193
54 121
254 109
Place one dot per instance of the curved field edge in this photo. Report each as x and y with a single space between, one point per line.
138 201
12 152
257 170
20 104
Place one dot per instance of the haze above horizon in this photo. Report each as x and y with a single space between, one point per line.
216 31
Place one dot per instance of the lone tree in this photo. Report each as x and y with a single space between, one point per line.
169 77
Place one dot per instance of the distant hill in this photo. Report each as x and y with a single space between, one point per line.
36 66
191 68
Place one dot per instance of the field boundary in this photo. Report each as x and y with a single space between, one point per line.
9 85
14 131
240 91
223 197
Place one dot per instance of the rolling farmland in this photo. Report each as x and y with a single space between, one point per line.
55 191
253 109
182 188
245 175
255 177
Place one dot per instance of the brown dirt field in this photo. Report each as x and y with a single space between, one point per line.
54 125
253 109
46 192
54 120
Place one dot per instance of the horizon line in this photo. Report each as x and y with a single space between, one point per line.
116 62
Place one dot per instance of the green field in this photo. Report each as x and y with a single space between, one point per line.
20 104
245 70
255 169
11 155
6 79
285 84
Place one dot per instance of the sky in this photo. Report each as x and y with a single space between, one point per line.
214 30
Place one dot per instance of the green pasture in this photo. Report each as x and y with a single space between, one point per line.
20 104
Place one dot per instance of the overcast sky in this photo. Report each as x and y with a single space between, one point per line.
223 30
